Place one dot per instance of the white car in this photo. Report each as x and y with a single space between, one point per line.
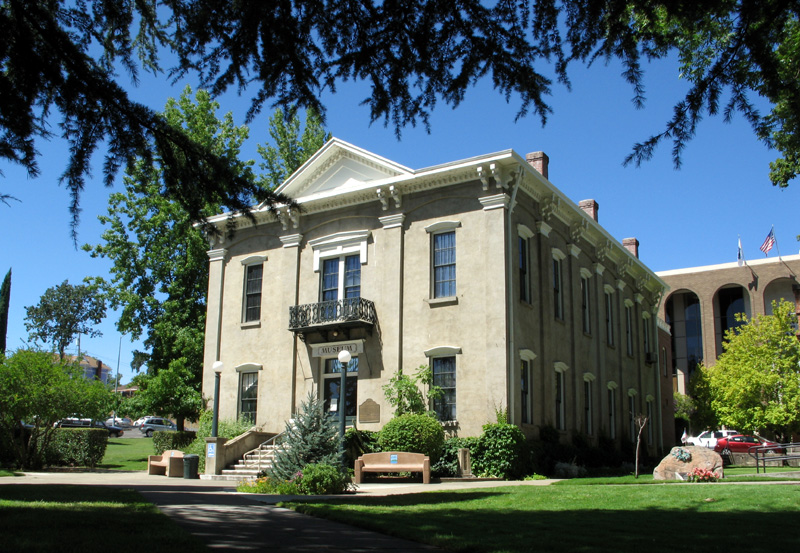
709 437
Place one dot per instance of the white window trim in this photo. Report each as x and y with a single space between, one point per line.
442 351
248 367
525 232
442 226
340 244
527 355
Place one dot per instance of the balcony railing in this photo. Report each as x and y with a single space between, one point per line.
347 312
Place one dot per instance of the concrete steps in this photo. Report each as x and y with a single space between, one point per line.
248 468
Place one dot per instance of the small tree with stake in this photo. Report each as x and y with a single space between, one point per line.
640 421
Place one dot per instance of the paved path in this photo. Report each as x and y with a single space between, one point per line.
223 519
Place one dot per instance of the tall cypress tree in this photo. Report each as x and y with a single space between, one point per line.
5 299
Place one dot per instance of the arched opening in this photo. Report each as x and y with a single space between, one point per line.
685 321
729 301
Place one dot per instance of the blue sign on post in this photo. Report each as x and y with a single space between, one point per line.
393 459
212 450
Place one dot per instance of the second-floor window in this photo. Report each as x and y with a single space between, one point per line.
252 292
444 264
341 278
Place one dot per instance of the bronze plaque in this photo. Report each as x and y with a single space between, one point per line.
369 411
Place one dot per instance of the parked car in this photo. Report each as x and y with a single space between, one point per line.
709 437
138 422
113 431
741 443
123 422
154 424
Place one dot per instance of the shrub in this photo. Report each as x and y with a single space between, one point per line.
322 480
269 485
499 451
358 442
80 447
569 470
447 465
163 440
225 429
413 433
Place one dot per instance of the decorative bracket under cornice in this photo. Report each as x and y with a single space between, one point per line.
549 207
287 215
384 195
578 229
501 177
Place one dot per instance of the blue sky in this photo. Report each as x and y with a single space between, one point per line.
682 218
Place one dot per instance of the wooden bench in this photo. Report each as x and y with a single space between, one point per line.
169 463
393 461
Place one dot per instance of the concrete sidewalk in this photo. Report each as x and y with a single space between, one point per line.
224 519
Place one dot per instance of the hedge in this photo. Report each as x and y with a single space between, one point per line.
78 447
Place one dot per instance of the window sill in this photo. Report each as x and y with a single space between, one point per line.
440 302
251 324
449 424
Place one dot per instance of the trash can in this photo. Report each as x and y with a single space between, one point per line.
190 464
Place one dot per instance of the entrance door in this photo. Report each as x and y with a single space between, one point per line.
331 385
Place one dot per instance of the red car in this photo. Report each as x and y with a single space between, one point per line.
740 443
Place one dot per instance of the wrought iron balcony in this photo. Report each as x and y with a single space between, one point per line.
326 314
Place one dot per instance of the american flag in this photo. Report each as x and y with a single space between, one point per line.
769 242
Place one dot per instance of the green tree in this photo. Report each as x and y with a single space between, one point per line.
5 302
311 437
60 60
405 393
38 389
755 384
159 276
291 148
64 312
169 393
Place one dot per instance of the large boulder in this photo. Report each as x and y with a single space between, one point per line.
682 460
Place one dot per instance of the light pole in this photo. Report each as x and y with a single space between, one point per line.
217 368
344 360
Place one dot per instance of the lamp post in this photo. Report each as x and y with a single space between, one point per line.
217 368
344 360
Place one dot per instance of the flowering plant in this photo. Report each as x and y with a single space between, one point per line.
681 454
702 475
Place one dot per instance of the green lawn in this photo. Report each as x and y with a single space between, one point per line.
654 518
86 519
127 454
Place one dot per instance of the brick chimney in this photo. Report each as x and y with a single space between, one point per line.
590 207
538 161
632 245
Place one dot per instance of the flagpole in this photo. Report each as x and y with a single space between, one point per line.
777 247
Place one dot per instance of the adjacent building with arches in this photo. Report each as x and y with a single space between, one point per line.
702 303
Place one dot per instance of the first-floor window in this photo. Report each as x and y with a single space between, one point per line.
525 385
650 421
252 292
248 396
444 376
587 407
561 419
612 414
332 388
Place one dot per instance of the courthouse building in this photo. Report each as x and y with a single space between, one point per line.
480 268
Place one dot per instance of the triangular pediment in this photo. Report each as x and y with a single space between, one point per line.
339 167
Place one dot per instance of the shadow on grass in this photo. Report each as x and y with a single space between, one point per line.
709 519
86 519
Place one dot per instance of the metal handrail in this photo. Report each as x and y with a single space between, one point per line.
791 451
334 311
271 441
